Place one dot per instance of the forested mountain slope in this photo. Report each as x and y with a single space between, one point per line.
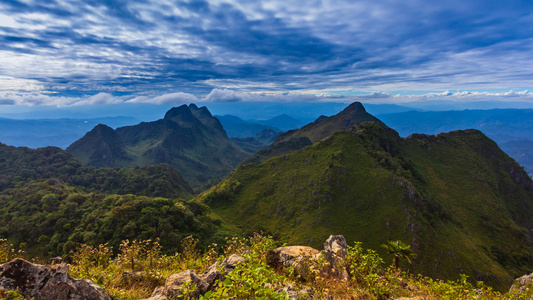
461 202
188 138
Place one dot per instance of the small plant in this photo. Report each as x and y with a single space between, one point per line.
251 280
400 250
7 252
14 295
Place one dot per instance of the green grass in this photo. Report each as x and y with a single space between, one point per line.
445 195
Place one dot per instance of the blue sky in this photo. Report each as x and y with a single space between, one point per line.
68 53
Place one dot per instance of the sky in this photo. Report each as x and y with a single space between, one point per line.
62 53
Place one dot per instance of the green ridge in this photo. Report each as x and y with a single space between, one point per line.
460 201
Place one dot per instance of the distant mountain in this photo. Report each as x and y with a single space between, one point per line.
261 140
283 122
324 126
237 127
267 136
36 133
522 151
512 129
188 138
461 203
321 128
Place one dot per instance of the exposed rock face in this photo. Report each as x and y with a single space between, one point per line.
521 284
298 256
291 256
175 283
334 252
47 282
336 244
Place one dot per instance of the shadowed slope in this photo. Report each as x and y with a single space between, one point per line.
188 138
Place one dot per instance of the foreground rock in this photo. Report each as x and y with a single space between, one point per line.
335 249
47 282
302 257
293 256
176 283
522 284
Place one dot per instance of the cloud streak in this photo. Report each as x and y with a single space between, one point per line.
224 95
178 51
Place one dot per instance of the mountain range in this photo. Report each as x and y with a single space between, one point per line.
188 138
460 201
462 204
35 133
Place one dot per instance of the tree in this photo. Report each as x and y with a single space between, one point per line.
400 250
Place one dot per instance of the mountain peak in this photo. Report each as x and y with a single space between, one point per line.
102 131
189 138
179 114
355 107
323 127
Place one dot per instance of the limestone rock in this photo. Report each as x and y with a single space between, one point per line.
47 282
335 249
521 284
291 256
175 283
231 262
336 244
299 257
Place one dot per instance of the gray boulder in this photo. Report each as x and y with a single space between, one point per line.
292 256
176 284
47 282
522 284
335 249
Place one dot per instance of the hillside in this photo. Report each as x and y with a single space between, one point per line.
188 138
20 164
460 201
512 129
46 218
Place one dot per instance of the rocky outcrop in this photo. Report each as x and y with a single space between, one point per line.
47 282
301 257
334 253
522 284
176 284
292 256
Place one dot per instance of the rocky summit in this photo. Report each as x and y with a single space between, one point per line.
188 138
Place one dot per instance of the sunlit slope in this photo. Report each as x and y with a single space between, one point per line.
456 198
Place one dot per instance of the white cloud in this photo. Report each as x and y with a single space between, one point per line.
172 98
98 99
218 95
